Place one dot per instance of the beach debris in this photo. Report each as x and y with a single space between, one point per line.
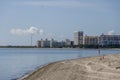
118 67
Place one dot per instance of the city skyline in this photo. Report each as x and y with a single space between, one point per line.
83 41
56 19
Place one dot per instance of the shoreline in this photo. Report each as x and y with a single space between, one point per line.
57 47
34 71
60 48
42 66
43 69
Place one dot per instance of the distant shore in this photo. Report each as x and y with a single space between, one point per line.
53 48
91 68
18 47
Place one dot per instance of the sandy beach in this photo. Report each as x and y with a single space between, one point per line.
91 68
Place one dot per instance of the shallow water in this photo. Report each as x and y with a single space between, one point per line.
16 62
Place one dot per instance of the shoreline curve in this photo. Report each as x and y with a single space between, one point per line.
89 68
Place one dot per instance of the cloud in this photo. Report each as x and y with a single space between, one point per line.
55 3
111 32
30 31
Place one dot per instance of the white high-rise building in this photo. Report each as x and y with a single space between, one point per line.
78 38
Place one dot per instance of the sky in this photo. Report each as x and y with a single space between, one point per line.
58 19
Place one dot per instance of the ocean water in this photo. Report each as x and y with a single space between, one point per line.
16 62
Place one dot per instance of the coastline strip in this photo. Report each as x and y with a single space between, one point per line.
89 68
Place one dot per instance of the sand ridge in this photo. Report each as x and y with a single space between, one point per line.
91 68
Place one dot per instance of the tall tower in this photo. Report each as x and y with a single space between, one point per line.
78 38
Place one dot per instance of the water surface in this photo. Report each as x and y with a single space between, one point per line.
16 62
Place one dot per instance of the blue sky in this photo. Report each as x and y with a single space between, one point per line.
57 18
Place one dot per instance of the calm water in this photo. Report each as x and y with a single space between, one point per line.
16 62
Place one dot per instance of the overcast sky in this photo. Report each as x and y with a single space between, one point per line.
56 19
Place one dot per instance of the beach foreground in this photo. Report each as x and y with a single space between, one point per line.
91 68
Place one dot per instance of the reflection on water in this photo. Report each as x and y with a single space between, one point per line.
15 63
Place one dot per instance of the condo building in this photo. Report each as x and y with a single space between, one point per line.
91 40
109 40
78 38
50 43
43 43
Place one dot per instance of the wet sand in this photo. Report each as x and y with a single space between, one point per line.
91 68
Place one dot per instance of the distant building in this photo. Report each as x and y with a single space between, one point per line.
78 38
53 43
50 43
91 40
61 44
109 40
82 41
39 43
43 43
46 43
69 43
